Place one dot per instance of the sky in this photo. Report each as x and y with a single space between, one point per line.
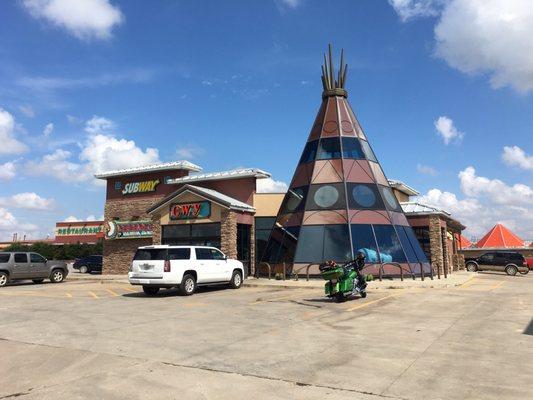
443 90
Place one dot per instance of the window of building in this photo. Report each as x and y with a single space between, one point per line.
317 243
205 230
337 243
167 179
243 243
309 153
263 227
118 185
351 148
389 246
329 148
390 200
417 245
294 200
191 234
406 244
363 240
364 196
368 151
326 197
422 236
179 254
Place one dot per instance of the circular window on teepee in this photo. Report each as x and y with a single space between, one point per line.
326 196
364 196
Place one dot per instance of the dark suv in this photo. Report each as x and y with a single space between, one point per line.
510 262
88 264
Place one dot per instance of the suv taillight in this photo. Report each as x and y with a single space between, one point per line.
166 268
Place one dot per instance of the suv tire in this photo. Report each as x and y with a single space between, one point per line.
84 269
4 278
37 280
188 285
511 270
471 267
57 276
236 280
150 290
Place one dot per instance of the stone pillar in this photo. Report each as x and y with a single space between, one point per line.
445 254
228 233
156 229
435 244
459 262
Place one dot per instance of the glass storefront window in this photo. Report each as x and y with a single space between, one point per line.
364 196
351 148
337 243
421 246
203 230
406 244
176 231
310 244
309 153
295 199
363 240
390 248
368 151
329 148
326 197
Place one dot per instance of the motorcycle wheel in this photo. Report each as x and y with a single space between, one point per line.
363 295
339 297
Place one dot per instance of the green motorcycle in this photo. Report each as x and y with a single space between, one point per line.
342 280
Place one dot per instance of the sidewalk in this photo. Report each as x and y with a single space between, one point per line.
456 279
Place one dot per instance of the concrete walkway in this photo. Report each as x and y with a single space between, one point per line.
456 279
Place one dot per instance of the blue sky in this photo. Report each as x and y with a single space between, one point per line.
441 88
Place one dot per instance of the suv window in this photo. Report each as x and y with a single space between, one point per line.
21 258
179 254
37 258
217 255
150 254
203 254
516 257
487 257
4 257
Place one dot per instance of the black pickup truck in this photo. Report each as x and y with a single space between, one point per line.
509 262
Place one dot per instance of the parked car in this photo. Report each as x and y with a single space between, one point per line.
185 267
88 264
510 262
21 265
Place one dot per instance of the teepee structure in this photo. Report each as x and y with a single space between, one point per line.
500 237
339 201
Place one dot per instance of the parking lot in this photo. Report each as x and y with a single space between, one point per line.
84 339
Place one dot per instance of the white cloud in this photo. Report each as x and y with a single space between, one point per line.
91 217
74 120
490 37
59 165
7 171
494 190
487 202
189 152
27 201
426 170
99 152
71 218
269 185
99 125
48 129
9 225
85 19
10 145
447 130
292 3
27 110
516 157
409 9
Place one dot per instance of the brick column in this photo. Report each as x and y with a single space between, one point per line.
445 254
435 244
156 229
228 233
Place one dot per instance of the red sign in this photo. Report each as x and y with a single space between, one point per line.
201 209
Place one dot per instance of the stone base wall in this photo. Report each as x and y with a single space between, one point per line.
458 262
435 243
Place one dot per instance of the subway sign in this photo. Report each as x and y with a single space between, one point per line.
197 210
140 187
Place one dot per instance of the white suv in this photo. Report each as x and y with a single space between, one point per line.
185 267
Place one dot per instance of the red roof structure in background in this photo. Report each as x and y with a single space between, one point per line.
500 237
463 242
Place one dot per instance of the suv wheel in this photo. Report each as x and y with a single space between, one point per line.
150 290
236 280
511 270
471 267
188 285
84 269
3 279
57 276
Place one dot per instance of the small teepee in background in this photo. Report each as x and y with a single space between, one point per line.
339 201
500 237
